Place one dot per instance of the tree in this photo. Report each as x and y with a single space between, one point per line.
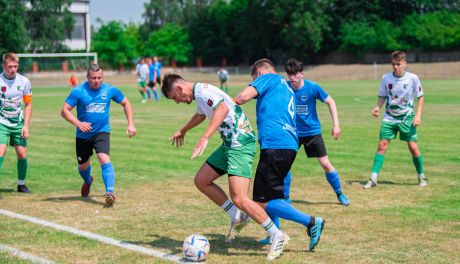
13 34
116 44
170 42
48 22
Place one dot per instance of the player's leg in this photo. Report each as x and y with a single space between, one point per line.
102 148
155 93
5 134
408 133
84 150
20 146
333 179
141 89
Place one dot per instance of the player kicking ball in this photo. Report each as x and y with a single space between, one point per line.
234 157
398 90
92 99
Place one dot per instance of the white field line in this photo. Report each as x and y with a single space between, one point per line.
23 255
100 238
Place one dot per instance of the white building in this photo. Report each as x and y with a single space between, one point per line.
80 37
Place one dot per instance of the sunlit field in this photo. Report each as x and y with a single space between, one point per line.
158 205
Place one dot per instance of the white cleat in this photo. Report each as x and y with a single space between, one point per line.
422 182
236 227
369 184
278 242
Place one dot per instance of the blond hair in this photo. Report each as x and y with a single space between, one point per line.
10 56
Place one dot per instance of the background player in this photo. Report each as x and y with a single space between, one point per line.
92 99
398 90
222 73
142 71
15 92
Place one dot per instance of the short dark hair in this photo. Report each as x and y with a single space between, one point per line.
262 63
94 68
293 66
398 55
168 80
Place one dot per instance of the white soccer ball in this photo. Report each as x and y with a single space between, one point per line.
196 247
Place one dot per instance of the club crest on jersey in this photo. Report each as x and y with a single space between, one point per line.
104 96
303 98
390 86
405 86
210 102
3 89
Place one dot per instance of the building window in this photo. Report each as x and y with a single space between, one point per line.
79 28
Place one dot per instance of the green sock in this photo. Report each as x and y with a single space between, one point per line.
378 163
1 163
418 162
22 169
142 94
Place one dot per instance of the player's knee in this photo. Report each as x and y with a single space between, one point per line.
383 145
239 200
201 182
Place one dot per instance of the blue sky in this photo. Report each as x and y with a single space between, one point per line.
124 10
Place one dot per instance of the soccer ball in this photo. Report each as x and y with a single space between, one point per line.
196 247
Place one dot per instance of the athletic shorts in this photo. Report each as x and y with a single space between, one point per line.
12 136
233 161
273 167
99 142
151 84
141 84
407 131
313 145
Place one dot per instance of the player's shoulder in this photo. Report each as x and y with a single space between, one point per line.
22 78
388 75
411 75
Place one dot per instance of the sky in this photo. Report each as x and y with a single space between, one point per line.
124 10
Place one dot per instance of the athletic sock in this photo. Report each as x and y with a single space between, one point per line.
155 94
142 94
378 163
148 94
22 171
270 227
275 219
108 176
86 174
285 210
1 162
334 181
231 210
418 162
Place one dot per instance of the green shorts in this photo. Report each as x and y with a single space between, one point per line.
12 135
407 131
141 84
234 161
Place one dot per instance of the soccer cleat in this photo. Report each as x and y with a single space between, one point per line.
22 188
370 184
86 187
278 242
314 232
343 199
422 181
236 227
265 241
110 199
143 101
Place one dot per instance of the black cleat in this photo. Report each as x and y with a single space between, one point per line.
23 189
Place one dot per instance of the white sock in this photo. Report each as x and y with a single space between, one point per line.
374 177
421 176
21 182
231 210
270 227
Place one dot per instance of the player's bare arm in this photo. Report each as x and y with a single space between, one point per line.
380 103
245 95
335 117
179 137
131 130
418 114
27 115
66 113
220 113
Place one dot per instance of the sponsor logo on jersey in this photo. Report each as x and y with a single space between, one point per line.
302 109
210 102
96 108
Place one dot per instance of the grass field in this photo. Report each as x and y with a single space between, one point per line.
158 205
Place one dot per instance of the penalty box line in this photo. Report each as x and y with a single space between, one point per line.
100 238
23 255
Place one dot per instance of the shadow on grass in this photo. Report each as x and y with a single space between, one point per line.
6 190
382 182
72 199
308 202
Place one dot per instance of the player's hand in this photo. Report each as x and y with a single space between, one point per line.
376 111
417 121
335 132
85 127
25 132
131 131
178 138
200 146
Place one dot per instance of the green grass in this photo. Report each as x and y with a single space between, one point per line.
159 206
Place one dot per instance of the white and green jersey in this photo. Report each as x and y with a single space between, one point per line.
235 130
400 93
11 99
142 72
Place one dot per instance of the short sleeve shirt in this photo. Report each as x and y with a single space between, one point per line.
12 93
93 106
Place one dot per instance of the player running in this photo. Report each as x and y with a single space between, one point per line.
398 90
92 99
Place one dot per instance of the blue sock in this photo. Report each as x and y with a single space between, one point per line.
285 210
155 94
108 176
85 174
148 94
333 179
275 219
287 185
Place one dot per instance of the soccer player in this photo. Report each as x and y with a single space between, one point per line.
142 71
15 92
92 99
223 78
308 126
234 157
398 90
157 65
275 110
151 84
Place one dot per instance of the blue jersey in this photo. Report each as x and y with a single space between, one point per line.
157 68
151 71
307 118
93 106
275 113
